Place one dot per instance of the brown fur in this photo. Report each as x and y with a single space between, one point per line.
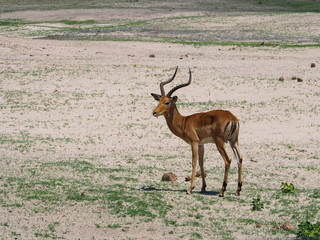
217 126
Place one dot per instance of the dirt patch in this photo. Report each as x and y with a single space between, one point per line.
79 141
82 156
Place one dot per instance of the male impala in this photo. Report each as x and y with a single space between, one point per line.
217 126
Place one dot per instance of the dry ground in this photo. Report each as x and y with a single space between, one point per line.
82 156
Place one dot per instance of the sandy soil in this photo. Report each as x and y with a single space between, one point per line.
70 108
98 95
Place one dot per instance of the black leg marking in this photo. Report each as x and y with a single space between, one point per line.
224 185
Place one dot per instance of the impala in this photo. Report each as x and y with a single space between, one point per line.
217 126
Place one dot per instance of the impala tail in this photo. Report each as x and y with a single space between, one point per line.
231 131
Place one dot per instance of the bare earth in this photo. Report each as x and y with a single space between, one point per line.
77 117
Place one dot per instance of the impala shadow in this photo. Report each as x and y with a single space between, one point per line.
152 188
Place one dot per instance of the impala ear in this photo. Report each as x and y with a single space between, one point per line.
156 96
175 98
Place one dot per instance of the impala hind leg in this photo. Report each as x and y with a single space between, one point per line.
201 155
235 148
227 161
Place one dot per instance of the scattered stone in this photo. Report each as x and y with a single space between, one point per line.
299 80
258 225
183 56
188 179
275 227
288 226
313 65
170 177
198 174
281 79
294 78
152 56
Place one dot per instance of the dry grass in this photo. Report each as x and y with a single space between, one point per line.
82 156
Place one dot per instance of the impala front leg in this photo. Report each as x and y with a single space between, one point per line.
194 165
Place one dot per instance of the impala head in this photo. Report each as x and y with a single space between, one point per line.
165 100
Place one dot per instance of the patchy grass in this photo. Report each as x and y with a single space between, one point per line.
244 5
203 30
82 156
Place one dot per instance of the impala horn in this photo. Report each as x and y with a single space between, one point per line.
180 86
166 82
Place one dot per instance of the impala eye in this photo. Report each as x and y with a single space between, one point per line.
166 103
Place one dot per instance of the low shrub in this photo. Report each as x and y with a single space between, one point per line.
287 188
309 231
257 205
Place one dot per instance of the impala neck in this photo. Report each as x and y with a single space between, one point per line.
175 121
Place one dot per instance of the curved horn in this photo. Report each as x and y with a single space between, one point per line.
166 82
180 86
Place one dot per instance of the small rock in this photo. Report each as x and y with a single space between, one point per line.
299 80
313 65
275 227
294 78
183 56
170 177
281 79
288 226
198 174
152 56
258 225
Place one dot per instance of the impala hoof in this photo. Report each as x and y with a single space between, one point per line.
190 190
239 189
